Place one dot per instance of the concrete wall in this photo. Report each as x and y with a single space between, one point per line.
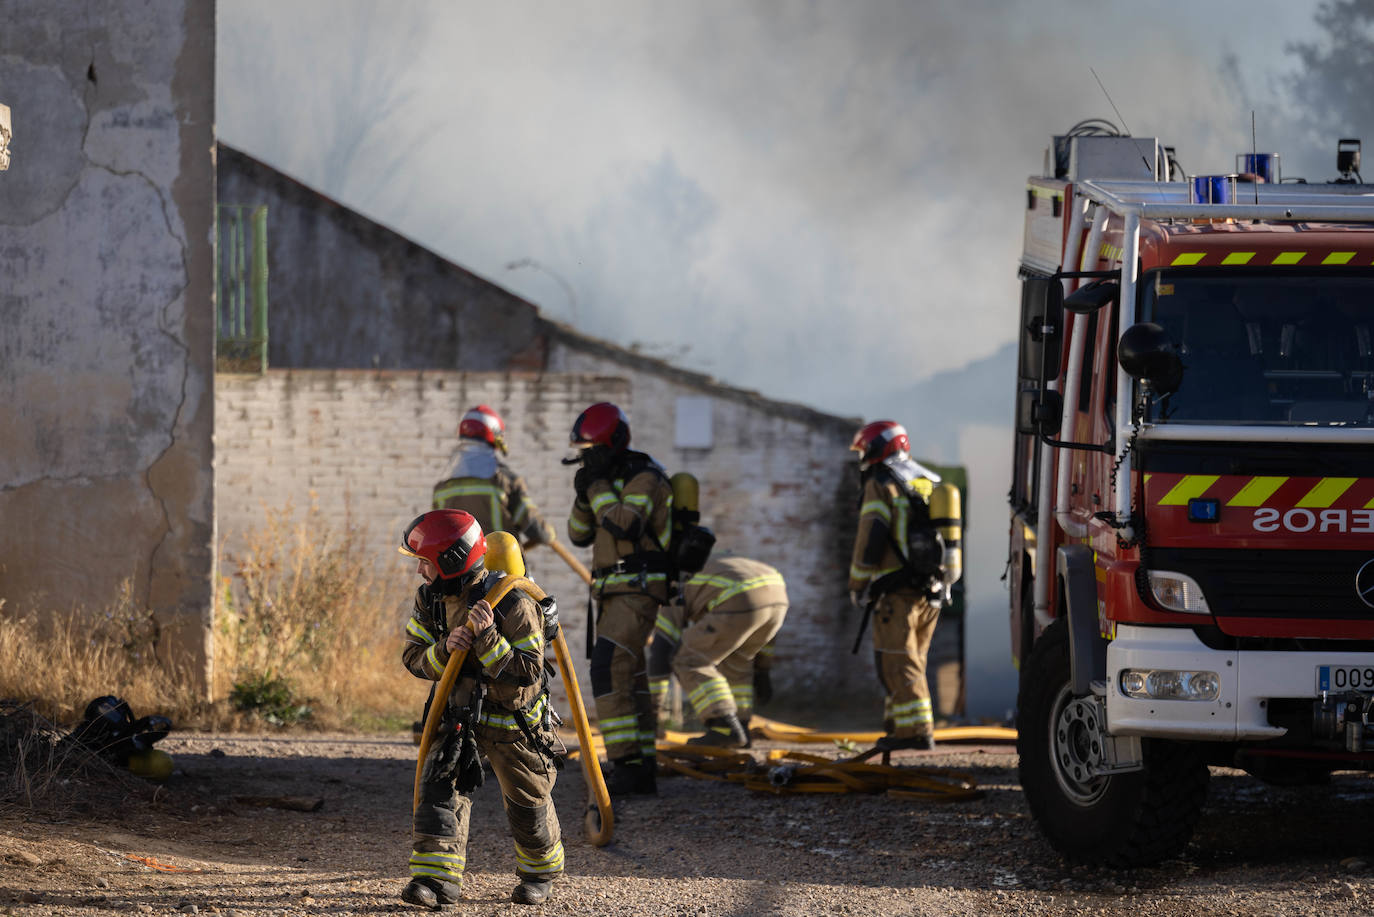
370 445
348 293
107 350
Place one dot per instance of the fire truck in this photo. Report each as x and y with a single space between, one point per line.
1192 506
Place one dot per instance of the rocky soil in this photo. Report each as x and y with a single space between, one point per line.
201 844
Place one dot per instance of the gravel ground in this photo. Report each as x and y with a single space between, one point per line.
701 849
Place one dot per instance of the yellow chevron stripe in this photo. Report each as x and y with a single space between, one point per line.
1288 257
1256 491
1338 258
1192 485
1238 258
1187 258
1327 491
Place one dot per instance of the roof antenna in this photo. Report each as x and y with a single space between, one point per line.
1150 167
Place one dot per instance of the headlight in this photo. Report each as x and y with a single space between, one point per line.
1168 684
1177 592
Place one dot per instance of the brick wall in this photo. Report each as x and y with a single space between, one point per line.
369 445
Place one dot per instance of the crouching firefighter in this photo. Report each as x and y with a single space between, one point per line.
623 508
730 611
900 561
499 707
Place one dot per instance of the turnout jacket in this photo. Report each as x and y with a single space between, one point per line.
627 518
724 585
885 518
483 485
507 657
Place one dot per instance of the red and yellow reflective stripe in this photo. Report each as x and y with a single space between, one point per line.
1261 490
1225 258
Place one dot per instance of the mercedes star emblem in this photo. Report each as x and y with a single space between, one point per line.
1364 583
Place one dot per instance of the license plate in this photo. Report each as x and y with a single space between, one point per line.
1345 678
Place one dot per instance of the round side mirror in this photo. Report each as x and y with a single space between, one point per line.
1148 354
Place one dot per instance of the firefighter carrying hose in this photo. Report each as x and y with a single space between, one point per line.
499 708
901 561
729 613
483 485
623 508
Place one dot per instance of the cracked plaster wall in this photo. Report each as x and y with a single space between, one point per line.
106 322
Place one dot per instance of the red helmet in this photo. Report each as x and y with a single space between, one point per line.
879 439
485 424
602 424
448 538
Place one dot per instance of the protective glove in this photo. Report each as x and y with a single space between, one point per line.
469 775
581 480
597 460
763 687
856 600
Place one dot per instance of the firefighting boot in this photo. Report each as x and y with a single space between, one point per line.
723 732
532 891
427 891
924 742
632 776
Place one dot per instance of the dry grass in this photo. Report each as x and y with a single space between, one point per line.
41 764
303 635
305 632
60 663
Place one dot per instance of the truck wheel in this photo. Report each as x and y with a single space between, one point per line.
1119 821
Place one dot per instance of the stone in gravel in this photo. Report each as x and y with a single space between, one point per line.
189 909
24 858
102 882
217 753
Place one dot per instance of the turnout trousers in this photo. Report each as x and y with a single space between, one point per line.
625 712
903 625
526 776
715 663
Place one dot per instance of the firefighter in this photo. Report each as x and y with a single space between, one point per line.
499 708
482 485
897 560
730 612
623 508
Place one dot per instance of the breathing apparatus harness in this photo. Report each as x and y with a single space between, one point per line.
923 553
641 563
459 753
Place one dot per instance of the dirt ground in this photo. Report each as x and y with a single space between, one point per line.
700 849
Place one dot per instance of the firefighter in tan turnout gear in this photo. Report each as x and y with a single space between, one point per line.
499 708
623 508
482 485
730 611
899 560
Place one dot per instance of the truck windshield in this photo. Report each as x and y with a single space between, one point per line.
1266 347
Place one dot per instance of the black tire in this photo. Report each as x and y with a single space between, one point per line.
1119 821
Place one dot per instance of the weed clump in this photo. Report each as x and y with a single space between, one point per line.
306 634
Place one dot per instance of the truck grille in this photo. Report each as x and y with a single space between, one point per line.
1272 584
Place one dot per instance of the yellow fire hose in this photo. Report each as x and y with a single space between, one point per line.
814 774
571 560
600 820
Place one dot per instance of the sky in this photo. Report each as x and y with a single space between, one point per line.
820 201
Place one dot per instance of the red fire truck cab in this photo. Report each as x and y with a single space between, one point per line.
1192 503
